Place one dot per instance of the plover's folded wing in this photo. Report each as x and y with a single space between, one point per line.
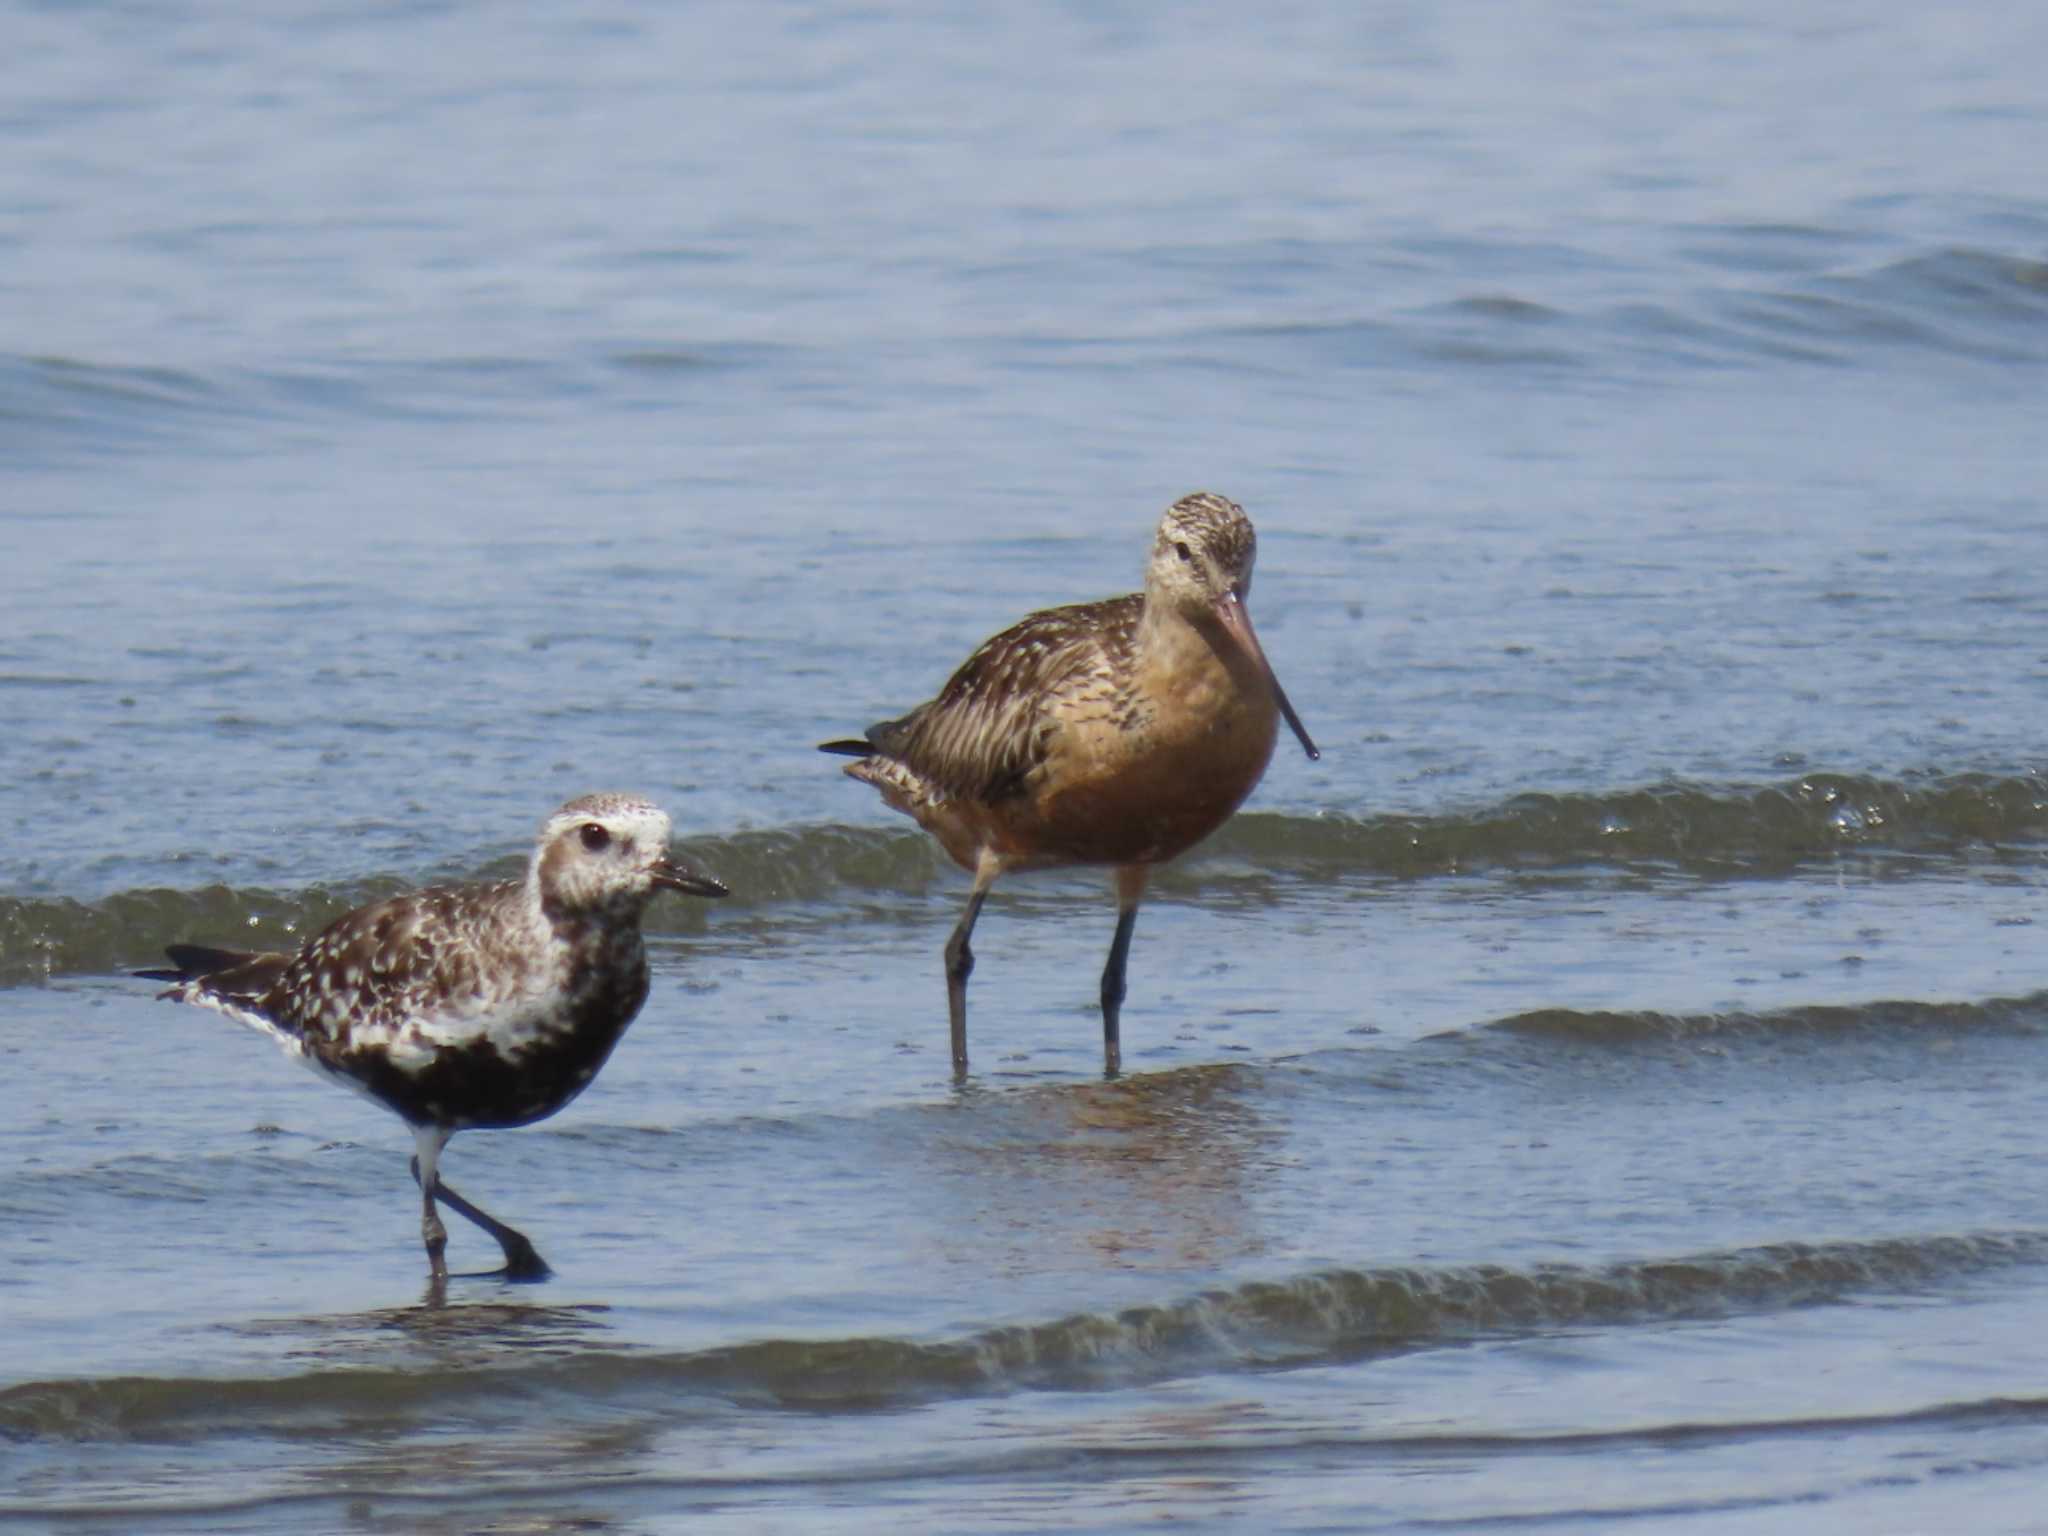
424 964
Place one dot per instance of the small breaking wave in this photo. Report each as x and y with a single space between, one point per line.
1698 829
1800 305
1682 829
59 405
2019 1015
1329 1316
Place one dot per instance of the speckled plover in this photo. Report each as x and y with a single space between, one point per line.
1121 733
468 1006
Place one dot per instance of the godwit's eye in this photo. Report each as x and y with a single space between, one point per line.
1182 550
595 838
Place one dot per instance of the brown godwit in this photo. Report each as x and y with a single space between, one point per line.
1121 732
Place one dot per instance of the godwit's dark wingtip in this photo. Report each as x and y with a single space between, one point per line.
848 748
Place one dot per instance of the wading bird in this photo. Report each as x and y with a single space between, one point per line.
1118 733
468 1006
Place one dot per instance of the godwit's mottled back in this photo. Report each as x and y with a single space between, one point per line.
476 1005
1121 732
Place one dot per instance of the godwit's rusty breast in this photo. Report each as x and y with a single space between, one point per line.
1118 732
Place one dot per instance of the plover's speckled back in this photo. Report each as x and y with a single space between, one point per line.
1120 733
468 1006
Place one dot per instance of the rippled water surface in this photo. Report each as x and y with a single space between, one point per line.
1603 1089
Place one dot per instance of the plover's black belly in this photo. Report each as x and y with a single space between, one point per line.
489 1083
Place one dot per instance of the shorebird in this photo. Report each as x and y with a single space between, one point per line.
467 1006
1119 733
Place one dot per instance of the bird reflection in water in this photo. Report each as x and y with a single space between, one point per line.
1150 1172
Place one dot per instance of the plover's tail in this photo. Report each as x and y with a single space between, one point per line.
196 960
234 982
228 975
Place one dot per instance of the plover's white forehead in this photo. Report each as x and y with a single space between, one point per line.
611 809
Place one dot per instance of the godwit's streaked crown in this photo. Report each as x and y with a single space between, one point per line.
1205 548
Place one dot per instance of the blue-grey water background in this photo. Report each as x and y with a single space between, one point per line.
1605 1089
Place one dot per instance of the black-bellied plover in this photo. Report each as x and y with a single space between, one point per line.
1121 732
466 1007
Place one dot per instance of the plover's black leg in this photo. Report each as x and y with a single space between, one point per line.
435 1236
430 1140
522 1260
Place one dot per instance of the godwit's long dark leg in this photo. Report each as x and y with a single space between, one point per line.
522 1261
960 956
1130 890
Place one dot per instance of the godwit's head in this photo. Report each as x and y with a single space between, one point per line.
609 854
1201 568
1205 546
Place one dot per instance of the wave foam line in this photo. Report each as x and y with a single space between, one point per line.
1331 1316
1687 829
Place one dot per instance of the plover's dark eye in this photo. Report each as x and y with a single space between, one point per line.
1182 550
595 838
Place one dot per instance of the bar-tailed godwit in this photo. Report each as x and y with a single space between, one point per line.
468 1006
1119 733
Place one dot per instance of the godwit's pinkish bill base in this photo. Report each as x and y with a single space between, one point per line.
461 1006
1121 733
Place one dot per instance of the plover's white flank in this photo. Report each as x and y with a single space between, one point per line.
1121 732
468 1006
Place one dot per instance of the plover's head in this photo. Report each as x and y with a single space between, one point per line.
609 853
1201 569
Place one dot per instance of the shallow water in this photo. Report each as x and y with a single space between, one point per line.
1601 1089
